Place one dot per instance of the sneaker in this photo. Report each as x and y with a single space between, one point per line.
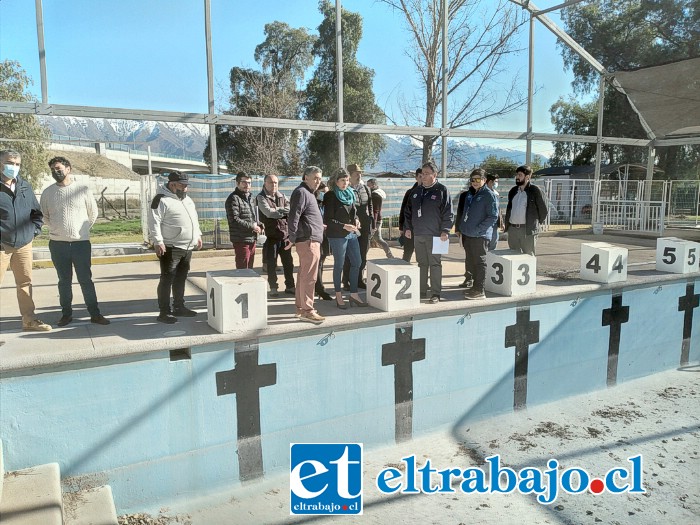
183 311
63 321
467 283
311 317
166 318
290 291
474 294
36 325
434 299
298 313
273 293
99 319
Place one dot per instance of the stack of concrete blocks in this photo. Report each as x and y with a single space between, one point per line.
33 496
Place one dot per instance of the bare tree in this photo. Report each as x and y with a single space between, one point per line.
480 38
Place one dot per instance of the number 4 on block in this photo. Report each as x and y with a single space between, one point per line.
603 262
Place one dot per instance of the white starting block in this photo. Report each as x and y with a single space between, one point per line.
236 300
510 273
393 284
603 262
677 255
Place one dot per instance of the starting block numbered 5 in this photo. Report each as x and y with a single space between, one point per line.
392 285
236 300
510 273
603 262
677 255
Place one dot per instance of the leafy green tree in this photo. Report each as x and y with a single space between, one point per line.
30 136
501 166
358 98
623 35
273 92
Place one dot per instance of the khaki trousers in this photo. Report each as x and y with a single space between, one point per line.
309 253
20 260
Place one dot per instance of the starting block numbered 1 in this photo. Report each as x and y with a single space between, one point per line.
603 262
677 255
393 284
236 300
510 273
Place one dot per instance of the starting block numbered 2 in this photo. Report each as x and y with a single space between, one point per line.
236 300
510 273
677 255
603 262
393 284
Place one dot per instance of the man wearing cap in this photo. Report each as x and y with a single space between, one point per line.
70 211
429 214
20 221
525 211
243 224
173 226
365 212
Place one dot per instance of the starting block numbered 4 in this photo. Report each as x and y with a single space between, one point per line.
510 273
677 255
236 300
603 262
392 285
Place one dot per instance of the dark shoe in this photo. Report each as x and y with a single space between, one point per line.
434 299
290 291
63 321
99 319
355 302
273 292
183 311
342 305
346 287
474 294
467 283
166 318
362 285
325 296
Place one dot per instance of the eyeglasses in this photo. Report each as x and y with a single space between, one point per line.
477 180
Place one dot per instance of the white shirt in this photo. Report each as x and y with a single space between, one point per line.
518 210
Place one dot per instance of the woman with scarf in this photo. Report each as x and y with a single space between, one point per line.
342 230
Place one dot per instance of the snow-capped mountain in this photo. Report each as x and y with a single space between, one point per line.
172 138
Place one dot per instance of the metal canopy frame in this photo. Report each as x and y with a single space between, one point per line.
212 119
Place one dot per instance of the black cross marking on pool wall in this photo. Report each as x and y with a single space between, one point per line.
521 335
687 304
402 354
246 380
614 317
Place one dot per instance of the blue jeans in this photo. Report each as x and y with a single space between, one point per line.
66 256
349 245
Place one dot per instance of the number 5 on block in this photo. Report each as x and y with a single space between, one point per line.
677 255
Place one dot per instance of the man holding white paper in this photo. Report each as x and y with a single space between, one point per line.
428 215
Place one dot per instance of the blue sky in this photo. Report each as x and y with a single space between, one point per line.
150 54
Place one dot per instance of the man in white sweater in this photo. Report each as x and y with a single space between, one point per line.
70 211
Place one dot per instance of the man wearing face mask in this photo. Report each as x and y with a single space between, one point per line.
20 221
70 211
492 183
173 226
526 210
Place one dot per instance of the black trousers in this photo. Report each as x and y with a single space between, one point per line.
364 247
174 267
476 248
408 248
271 249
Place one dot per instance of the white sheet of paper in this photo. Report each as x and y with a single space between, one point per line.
440 246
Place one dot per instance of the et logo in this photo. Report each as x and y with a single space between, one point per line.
325 478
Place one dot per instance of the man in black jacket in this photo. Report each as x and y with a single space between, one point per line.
526 210
403 240
274 208
243 224
20 221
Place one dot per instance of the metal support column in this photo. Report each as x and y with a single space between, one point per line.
42 50
210 82
445 69
598 148
530 89
339 68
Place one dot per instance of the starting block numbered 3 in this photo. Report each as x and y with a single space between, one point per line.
236 300
603 262
677 255
393 284
510 273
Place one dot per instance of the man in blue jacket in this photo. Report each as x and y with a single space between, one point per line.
20 221
477 216
429 214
